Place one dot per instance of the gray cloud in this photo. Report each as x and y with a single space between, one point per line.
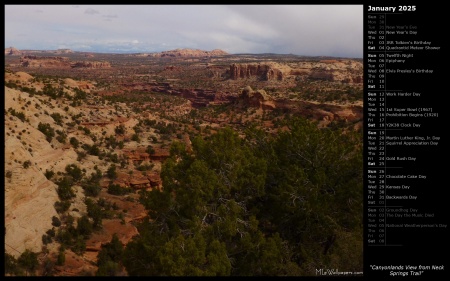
110 16
91 11
328 30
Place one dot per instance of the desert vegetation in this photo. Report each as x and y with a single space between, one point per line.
178 166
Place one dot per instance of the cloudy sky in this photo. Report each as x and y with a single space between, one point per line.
312 30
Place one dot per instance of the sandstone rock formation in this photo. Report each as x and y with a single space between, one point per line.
29 195
64 62
264 72
28 213
11 51
20 75
258 98
38 61
344 71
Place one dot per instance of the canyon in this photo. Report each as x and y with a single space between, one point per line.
117 115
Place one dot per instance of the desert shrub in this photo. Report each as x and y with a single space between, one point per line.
26 164
49 174
47 130
116 189
55 221
62 206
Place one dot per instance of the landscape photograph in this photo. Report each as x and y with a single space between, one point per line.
183 140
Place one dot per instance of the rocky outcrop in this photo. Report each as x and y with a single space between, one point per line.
263 72
224 98
160 155
258 98
136 157
155 180
323 113
47 61
344 71
334 76
139 183
37 61
20 75
11 51
29 196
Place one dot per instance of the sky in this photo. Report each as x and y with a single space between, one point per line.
309 30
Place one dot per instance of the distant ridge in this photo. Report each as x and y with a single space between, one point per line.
189 53
11 51
177 53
